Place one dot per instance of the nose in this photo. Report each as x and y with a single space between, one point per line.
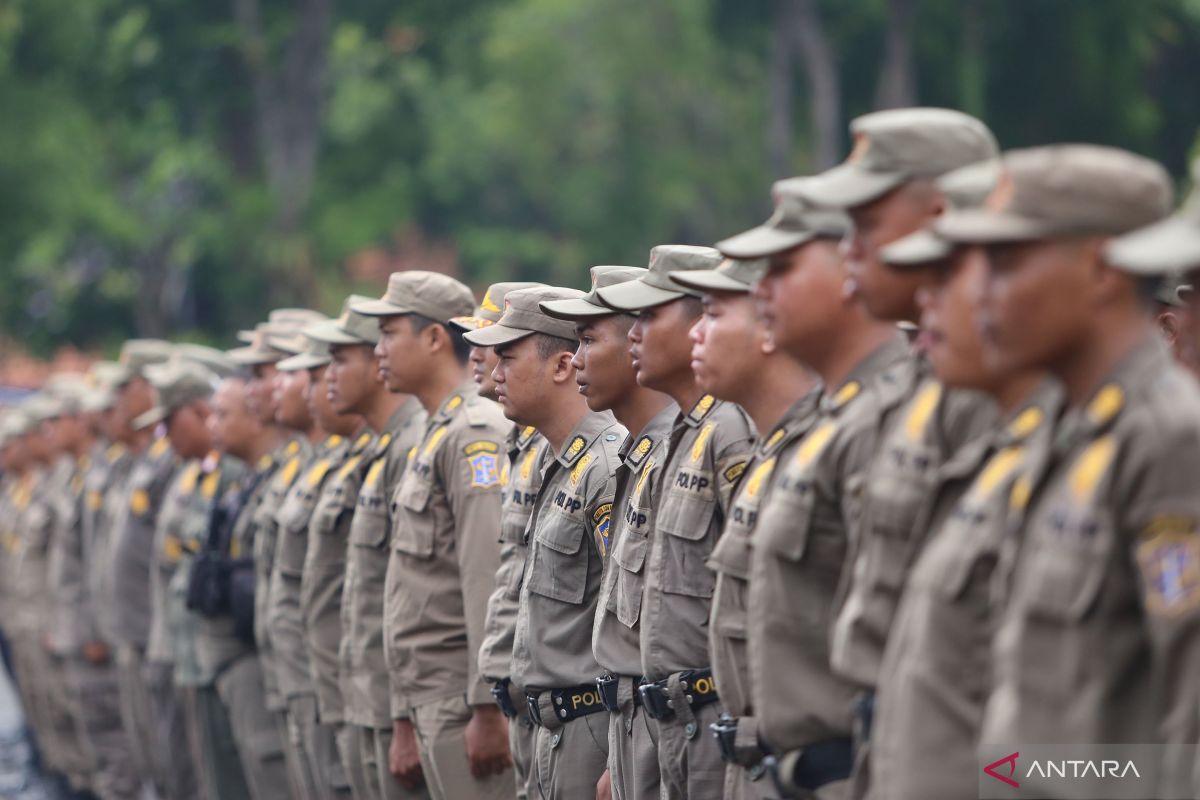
924 297
498 374
696 332
379 351
577 359
635 332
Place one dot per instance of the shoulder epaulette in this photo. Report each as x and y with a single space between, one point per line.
526 436
702 408
638 453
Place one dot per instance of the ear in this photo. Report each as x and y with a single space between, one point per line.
766 342
435 338
1168 325
1108 284
563 371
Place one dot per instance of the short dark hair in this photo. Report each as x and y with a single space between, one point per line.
462 350
692 306
549 346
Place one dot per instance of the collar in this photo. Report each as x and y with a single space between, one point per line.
796 421
586 432
1137 370
455 401
634 451
525 436
892 352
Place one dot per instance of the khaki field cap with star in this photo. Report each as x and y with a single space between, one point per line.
736 275
656 287
1062 191
431 294
523 317
350 327
137 354
491 306
178 382
590 306
795 221
274 341
896 146
964 189
1171 245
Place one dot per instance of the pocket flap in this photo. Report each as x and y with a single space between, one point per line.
564 538
630 550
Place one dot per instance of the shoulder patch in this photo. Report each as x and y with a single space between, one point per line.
485 470
603 521
580 468
1107 403
577 445
348 467
701 441
1169 559
735 472
481 446
434 440
702 407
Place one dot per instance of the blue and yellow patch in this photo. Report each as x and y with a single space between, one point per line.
603 520
485 470
1169 559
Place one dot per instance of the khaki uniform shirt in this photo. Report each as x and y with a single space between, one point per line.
937 665
708 452
730 559
103 505
616 637
1099 638
521 478
445 551
932 426
66 577
324 577
799 558
569 533
125 594
36 532
366 690
292 460
284 619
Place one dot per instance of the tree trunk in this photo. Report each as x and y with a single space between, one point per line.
822 77
289 99
973 74
897 85
780 109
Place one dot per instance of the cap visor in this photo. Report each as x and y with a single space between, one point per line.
574 308
330 333
495 335
1172 245
760 242
302 361
707 280
917 249
252 357
981 226
635 295
150 418
379 308
469 323
848 186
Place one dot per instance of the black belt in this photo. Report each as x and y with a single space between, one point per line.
569 704
864 714
812 766
698 687
609 684
503 698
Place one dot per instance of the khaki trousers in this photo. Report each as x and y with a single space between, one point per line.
688 756
441 730
97 707
255 730
632 753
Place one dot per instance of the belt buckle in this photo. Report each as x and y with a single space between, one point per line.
608 686
725 732
535 711
655 701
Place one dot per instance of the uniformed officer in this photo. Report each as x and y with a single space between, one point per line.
124 582
567 537
398 421
735 359
1105 558
709 446
522 477
445 547
805 526
935 670
608 381
312 748
184 387
354 389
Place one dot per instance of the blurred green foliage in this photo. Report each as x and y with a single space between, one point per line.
529 138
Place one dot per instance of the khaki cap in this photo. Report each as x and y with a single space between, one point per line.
216 361
137 354
178 382
70 389
590 305
1064 190
964 188
523 317
733 275
349 328
796 221
294 318
491 306
102 378
656 287
259 351
430 294
1171 245
895 146
315 355
16 423
41 407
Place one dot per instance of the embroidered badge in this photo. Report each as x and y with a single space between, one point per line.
580 468
481 447
757 478
317 473
1169 558
701 440
485 470
577 445
603 520
735 472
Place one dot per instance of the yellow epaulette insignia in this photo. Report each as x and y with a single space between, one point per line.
95 500
453 403
1091 466
527 463
999 468
815 442
187 481
114 452
775 439
289 472
209 487
576 447
1026 423
293 447
526 435
362 441
580 468
412 452
139 502
639 451
1022 490
921 411
758 477
434 440
384 443
172 549
317 473
349 467
1107 403
265 462
333 441
160 447
701 441
847 393
373 473
702 407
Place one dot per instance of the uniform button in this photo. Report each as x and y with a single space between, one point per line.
690 730
554 740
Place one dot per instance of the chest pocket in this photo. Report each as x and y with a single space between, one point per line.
629 555
790 523
1065 563
558 567
731 555
416 522
371 524
685 517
